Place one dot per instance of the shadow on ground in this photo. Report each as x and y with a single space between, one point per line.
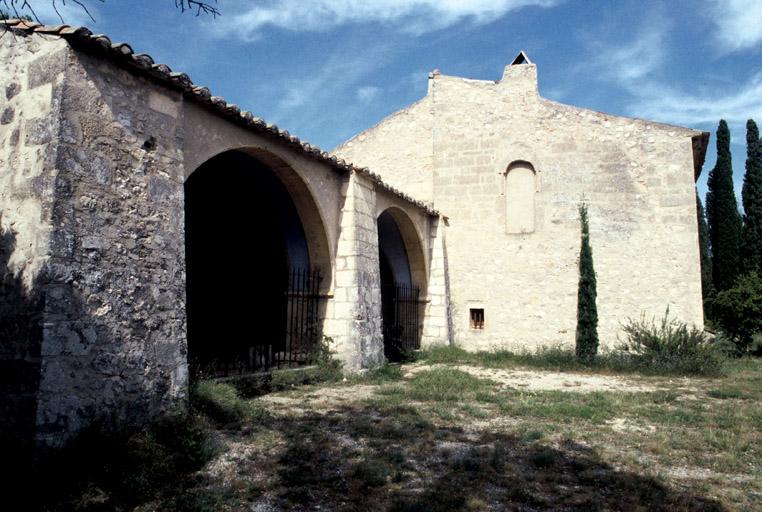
356 458
393 459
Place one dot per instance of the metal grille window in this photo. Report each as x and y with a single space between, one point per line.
477 319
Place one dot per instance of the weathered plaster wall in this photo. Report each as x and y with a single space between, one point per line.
636 176
31 76
114 345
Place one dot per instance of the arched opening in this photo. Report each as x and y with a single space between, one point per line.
253 289
402 272
520 192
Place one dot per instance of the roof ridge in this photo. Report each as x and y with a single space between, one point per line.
124 54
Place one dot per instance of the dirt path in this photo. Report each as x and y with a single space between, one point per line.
540 380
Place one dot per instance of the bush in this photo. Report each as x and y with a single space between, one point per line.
670 346
106 470
738 311
222 404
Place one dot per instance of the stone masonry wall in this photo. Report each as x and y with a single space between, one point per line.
30 95
114 345
437 323
405 136
93 158
637 176
353 316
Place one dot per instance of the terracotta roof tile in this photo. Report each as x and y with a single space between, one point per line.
123 54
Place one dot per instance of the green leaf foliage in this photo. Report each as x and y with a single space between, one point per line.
707 286
751 236
670 346
722 215
738 311
587 312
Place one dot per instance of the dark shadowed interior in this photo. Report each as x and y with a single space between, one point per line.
243 238
399 297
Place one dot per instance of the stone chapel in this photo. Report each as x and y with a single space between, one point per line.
153 233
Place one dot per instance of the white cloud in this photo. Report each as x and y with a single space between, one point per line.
368 93
336 77
660 102
415 16
636 59
738 23
637 67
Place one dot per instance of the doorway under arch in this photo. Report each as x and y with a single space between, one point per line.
253 292
402 273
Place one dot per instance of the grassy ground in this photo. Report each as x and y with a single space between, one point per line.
443 435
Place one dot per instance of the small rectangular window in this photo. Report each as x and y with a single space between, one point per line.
477 319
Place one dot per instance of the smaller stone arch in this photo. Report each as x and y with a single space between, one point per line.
520 197
403 282
413 245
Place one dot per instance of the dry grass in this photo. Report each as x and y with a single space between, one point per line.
447 439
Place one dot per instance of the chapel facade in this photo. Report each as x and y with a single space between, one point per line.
510 168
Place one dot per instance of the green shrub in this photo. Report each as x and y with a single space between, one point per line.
445 354
738 311
222 403
107 470
670 346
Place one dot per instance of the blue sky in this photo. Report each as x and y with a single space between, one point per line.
327 69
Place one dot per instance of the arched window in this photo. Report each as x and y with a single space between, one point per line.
520 190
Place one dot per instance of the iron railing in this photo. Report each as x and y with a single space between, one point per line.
295 337
401 319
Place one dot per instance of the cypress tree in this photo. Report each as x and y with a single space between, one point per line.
751 236
587 312
707 287
722 215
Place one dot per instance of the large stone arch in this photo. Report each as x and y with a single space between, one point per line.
315 187
257 257
309 210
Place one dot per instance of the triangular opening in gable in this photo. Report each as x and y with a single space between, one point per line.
521 58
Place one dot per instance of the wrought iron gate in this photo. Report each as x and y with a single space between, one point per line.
294 338
401 319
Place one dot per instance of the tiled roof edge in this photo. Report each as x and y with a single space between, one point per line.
123 54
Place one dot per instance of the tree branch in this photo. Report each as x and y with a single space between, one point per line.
199 7
23 9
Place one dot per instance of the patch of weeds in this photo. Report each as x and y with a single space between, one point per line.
533 435
442 385
222 403
393 423
371 472
671 347
445 354
443 412
725 394
543 457
379 375
560 406
473 411
664 397
106 470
